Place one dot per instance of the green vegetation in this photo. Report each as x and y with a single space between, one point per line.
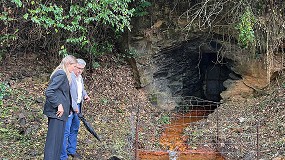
140 10
92 29
245 28
153 99
4 91
256 25
78 21
89 28
164 119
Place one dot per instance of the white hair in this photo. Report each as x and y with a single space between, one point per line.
81 62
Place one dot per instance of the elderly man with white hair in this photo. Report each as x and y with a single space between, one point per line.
78 95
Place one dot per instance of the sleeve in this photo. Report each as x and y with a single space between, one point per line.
84 93
73 94
54 85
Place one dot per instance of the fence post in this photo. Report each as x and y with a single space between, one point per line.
137 135
217 122
257 140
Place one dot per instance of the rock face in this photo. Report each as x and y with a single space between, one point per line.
236 89
174 63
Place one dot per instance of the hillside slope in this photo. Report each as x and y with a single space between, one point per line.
113 112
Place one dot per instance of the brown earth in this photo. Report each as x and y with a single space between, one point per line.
113 112
246 127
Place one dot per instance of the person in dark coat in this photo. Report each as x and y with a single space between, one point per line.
57 106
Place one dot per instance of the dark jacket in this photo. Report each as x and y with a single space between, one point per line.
58 92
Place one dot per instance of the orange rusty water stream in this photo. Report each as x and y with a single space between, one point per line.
173 140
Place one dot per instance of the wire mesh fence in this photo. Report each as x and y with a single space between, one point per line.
195 129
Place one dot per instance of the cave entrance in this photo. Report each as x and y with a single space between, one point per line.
214 73
190 74
192 69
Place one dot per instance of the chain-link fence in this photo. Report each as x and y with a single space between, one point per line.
196 129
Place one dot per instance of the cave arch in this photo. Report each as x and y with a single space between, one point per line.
192 68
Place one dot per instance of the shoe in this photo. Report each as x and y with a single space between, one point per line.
75 155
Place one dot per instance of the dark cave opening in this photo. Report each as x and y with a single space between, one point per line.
214 72
192 69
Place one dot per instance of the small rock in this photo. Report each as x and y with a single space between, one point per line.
241 119
22 120
114 158
39 100
250 155
28 131
6 97
33 153
222 145
172 155
279 158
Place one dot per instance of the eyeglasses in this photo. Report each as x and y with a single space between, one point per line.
80 68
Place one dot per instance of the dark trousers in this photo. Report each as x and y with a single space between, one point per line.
54 139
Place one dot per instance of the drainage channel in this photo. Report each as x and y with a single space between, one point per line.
174 144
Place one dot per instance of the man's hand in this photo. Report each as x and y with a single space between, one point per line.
60 110
76 110
87 98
